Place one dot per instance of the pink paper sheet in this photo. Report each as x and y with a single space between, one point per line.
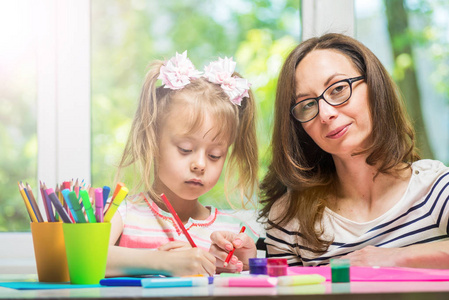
378 273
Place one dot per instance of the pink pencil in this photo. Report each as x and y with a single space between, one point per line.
178 220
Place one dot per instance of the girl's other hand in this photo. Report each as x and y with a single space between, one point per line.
223 242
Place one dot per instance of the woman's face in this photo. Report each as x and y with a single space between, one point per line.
339 130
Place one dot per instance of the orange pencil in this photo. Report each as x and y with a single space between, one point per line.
228 258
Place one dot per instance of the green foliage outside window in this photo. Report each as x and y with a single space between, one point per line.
257 34
126 35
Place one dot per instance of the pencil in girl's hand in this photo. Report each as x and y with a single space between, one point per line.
228 258
178 220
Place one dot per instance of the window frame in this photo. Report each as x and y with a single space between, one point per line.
64 96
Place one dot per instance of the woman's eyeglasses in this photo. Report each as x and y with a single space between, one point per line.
336 94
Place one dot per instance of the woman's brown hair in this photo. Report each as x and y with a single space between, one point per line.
305 174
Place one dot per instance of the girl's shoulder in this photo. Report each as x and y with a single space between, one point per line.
135 202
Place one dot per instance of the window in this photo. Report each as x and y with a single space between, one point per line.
18 135
45 98
46 84
415 51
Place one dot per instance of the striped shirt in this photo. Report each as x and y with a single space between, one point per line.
420 216
145 225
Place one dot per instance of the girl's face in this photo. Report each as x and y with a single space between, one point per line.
189 164
339 130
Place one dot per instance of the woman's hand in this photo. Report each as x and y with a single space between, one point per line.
223 242
374 256
428 255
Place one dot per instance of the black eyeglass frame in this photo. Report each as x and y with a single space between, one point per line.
350 81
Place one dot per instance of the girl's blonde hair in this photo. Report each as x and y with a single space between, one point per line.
198 98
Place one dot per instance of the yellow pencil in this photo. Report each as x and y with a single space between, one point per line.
27 204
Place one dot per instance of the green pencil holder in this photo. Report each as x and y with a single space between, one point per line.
87 250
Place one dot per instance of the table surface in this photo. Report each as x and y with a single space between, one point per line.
428 290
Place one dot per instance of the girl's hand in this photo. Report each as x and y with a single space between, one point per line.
193 261
223 242
175 245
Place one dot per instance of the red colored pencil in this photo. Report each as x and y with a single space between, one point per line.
178 220
228 258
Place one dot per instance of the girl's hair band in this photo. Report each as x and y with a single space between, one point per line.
178 72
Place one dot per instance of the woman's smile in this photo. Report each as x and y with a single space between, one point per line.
339 132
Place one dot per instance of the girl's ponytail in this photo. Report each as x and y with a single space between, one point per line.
141 146
244 155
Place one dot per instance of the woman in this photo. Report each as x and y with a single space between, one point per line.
345 180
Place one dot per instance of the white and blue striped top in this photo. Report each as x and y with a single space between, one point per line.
420 216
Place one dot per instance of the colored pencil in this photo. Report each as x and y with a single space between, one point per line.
228 258
27 204
34 203
178 220
51 212
45 201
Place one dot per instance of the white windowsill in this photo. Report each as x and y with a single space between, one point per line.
17 253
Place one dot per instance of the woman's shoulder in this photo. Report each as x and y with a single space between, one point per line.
429 167
426 174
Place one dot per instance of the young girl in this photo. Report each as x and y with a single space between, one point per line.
179 140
